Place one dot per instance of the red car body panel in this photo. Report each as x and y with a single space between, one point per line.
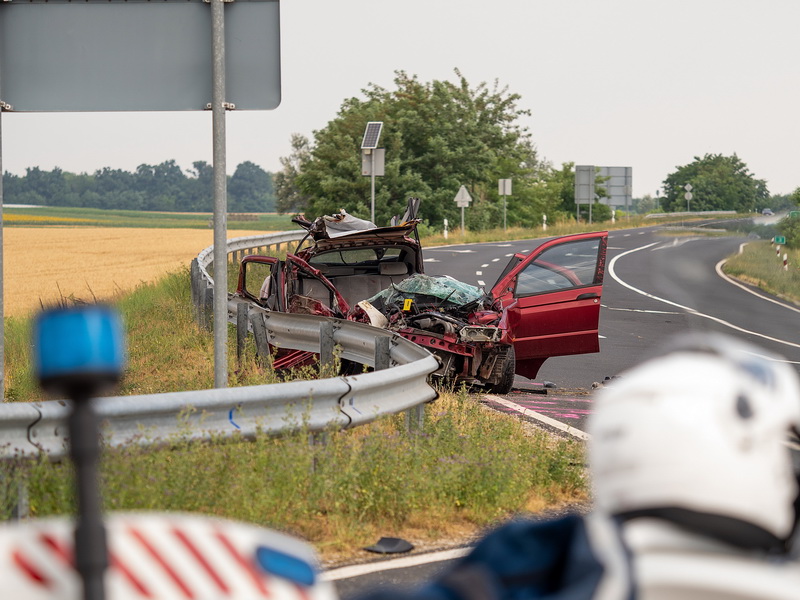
554 322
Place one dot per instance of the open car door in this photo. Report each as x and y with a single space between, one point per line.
551 299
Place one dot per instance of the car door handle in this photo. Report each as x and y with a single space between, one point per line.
588 295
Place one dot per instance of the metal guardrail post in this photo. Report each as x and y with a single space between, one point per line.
326 346
260 336
242 313
415 419
208 308
382 355
194 276
22 509
415 415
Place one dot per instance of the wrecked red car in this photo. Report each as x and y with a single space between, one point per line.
545 303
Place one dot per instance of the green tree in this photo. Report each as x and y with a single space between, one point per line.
250 189
718 183
438 136
200 194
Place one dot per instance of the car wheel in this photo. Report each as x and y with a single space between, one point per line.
505 366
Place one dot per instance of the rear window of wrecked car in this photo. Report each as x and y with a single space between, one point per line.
356 256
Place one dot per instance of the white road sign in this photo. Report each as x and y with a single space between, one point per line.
462 197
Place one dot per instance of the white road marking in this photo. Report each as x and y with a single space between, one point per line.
397 563
495 259
688 309
478 273
484 266
481 283
527 412
431 260
464 251
642 310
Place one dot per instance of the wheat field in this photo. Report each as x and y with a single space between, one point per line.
43 264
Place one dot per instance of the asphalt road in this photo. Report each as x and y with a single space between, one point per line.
658 283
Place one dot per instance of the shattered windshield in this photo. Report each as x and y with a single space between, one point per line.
424 289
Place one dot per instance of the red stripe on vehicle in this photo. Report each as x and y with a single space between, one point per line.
137 583
247 565
30 570
61 550
164 564
201 559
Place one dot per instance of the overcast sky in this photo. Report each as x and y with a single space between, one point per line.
648 84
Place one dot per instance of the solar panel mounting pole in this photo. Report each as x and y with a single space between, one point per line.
372 187
369 143
218 108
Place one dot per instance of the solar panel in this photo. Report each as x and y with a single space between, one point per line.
371 135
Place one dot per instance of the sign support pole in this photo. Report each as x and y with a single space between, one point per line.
220 194
2 258
372 185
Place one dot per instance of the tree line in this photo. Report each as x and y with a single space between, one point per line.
440 135
162 187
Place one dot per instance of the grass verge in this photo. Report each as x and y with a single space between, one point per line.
469 468
761 265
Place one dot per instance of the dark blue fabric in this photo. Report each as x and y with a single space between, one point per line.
521 560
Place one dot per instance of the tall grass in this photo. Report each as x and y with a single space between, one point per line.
471 466
759 263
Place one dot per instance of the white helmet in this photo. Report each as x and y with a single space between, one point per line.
697 436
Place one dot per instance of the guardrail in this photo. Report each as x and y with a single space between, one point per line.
31 428
28 429
203 282
704 213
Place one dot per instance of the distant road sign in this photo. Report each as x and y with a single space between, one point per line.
463 198
780 239
136 56
378 158
584 184
688 195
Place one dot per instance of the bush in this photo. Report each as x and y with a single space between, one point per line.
789 227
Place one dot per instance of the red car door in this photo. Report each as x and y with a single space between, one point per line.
551 299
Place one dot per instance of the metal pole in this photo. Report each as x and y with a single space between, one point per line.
462 220
372 184
91 558
505 227
220 197
2 307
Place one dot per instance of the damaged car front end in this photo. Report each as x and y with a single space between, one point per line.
349 269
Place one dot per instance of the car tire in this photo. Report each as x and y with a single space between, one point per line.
506 366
